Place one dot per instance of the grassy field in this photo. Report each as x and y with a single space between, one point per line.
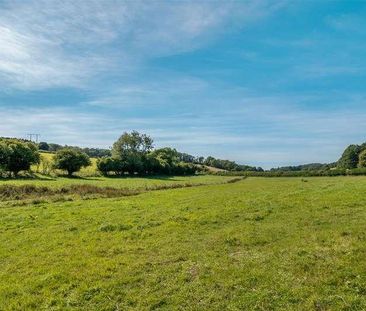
259 244
125 182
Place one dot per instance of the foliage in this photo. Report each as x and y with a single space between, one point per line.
71 160
43 146
362 159
131 150
110 165
349 158
96 152
187 158
132 143
305 167
229 165
133 153
17 155
165 161
91 152
303 173
4 156
54 147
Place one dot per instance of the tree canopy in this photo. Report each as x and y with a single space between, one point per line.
17 155
71 160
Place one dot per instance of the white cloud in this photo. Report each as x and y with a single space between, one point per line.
267 131
64 43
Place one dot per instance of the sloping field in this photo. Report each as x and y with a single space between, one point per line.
259 244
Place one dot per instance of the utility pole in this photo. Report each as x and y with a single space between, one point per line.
36 137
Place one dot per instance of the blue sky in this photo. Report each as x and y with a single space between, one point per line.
266 83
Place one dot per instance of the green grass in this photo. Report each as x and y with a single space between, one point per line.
124 182
259 244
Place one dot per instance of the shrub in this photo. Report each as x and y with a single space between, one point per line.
362 159
106 165
70 160
16 155
4 156
43 146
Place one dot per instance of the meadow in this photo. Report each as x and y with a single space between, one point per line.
257 244
124 182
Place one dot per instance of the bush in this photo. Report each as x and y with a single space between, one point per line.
43 146
4 156
362 159
111 165
70 160
16 155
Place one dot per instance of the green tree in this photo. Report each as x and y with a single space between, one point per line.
349 158
43 146
4 157
71 160
167 158
133 142
362 159
108 165
132 149
21 156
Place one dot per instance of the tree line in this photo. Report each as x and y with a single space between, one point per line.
91 152
165 160
229 165
304 167
134 153
351 162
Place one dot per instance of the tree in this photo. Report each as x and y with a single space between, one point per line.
71 160
349 157
187 158
4 156
201 160
54 147
43 146
108 165
133 142
21 156
362 159
132 148
167 158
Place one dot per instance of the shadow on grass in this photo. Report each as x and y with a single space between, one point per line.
28 177
75 177
152 177
78 177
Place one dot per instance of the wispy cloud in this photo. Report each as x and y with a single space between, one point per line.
65 43
207 77
266 131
